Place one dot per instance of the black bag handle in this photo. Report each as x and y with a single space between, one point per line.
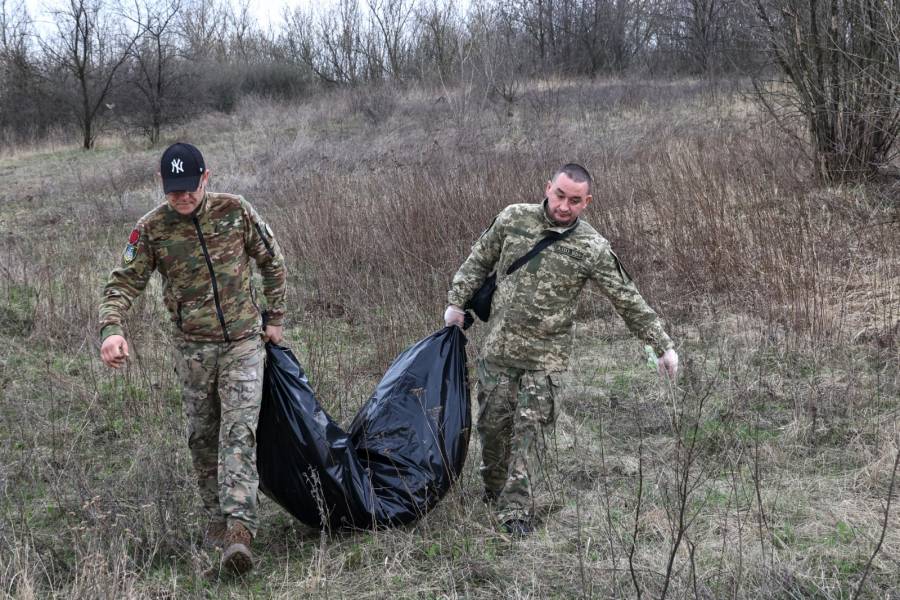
546 241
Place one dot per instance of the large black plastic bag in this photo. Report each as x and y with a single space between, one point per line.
403 451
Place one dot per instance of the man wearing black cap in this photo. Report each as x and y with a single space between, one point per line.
202 244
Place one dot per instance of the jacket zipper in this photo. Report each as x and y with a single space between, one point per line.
212 276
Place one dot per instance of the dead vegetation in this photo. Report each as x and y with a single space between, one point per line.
766 472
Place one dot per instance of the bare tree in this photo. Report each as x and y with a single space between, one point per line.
634 26
333 49
499 54
841 61
203 27
706 36
17 73
582 36
536 18
439 37
14 29
610 33
298 37
246 40
91 48
706 22
696 29
392 27
155 57
590 34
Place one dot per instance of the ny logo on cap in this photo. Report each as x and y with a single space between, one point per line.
177 166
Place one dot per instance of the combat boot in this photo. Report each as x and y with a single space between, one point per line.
214 536
489 497
237 559
519 528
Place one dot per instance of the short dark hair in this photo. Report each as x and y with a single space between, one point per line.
576 173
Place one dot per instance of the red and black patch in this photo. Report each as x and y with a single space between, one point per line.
134 237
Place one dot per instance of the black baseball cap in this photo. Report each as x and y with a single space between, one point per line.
181 168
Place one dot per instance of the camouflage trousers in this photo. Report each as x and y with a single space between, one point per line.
516 420
221 393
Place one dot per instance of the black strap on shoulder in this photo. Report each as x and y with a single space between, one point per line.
546 241
264 240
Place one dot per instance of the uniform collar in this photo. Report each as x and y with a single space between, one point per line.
203 207
550 224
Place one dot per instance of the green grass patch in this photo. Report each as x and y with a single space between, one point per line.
17 311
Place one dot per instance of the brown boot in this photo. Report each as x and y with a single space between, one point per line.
214 536
237 559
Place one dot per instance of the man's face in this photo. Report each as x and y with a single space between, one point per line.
185 203
566 199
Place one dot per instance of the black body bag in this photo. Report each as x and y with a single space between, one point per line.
404 449
480 302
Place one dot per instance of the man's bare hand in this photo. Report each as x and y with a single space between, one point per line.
114 351
668 364
274 334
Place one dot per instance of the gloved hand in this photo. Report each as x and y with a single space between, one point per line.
667 364
454 315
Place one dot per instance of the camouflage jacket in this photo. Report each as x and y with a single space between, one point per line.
533 309
204 260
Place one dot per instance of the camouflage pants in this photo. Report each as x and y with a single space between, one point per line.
221 392
515 423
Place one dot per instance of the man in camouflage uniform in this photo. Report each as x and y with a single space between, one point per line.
202 244
530 331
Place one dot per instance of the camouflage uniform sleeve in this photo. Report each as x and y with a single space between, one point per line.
259 241
480 262
126 282
616 284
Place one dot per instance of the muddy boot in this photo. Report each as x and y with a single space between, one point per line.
214 536
237 559
519 528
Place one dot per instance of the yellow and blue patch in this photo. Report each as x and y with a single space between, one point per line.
131 249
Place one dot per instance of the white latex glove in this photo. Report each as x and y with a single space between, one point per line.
454 315
667 364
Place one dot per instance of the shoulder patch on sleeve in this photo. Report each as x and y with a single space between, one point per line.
130 252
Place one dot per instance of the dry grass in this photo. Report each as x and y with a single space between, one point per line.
783 299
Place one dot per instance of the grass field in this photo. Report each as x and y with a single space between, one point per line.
766 472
